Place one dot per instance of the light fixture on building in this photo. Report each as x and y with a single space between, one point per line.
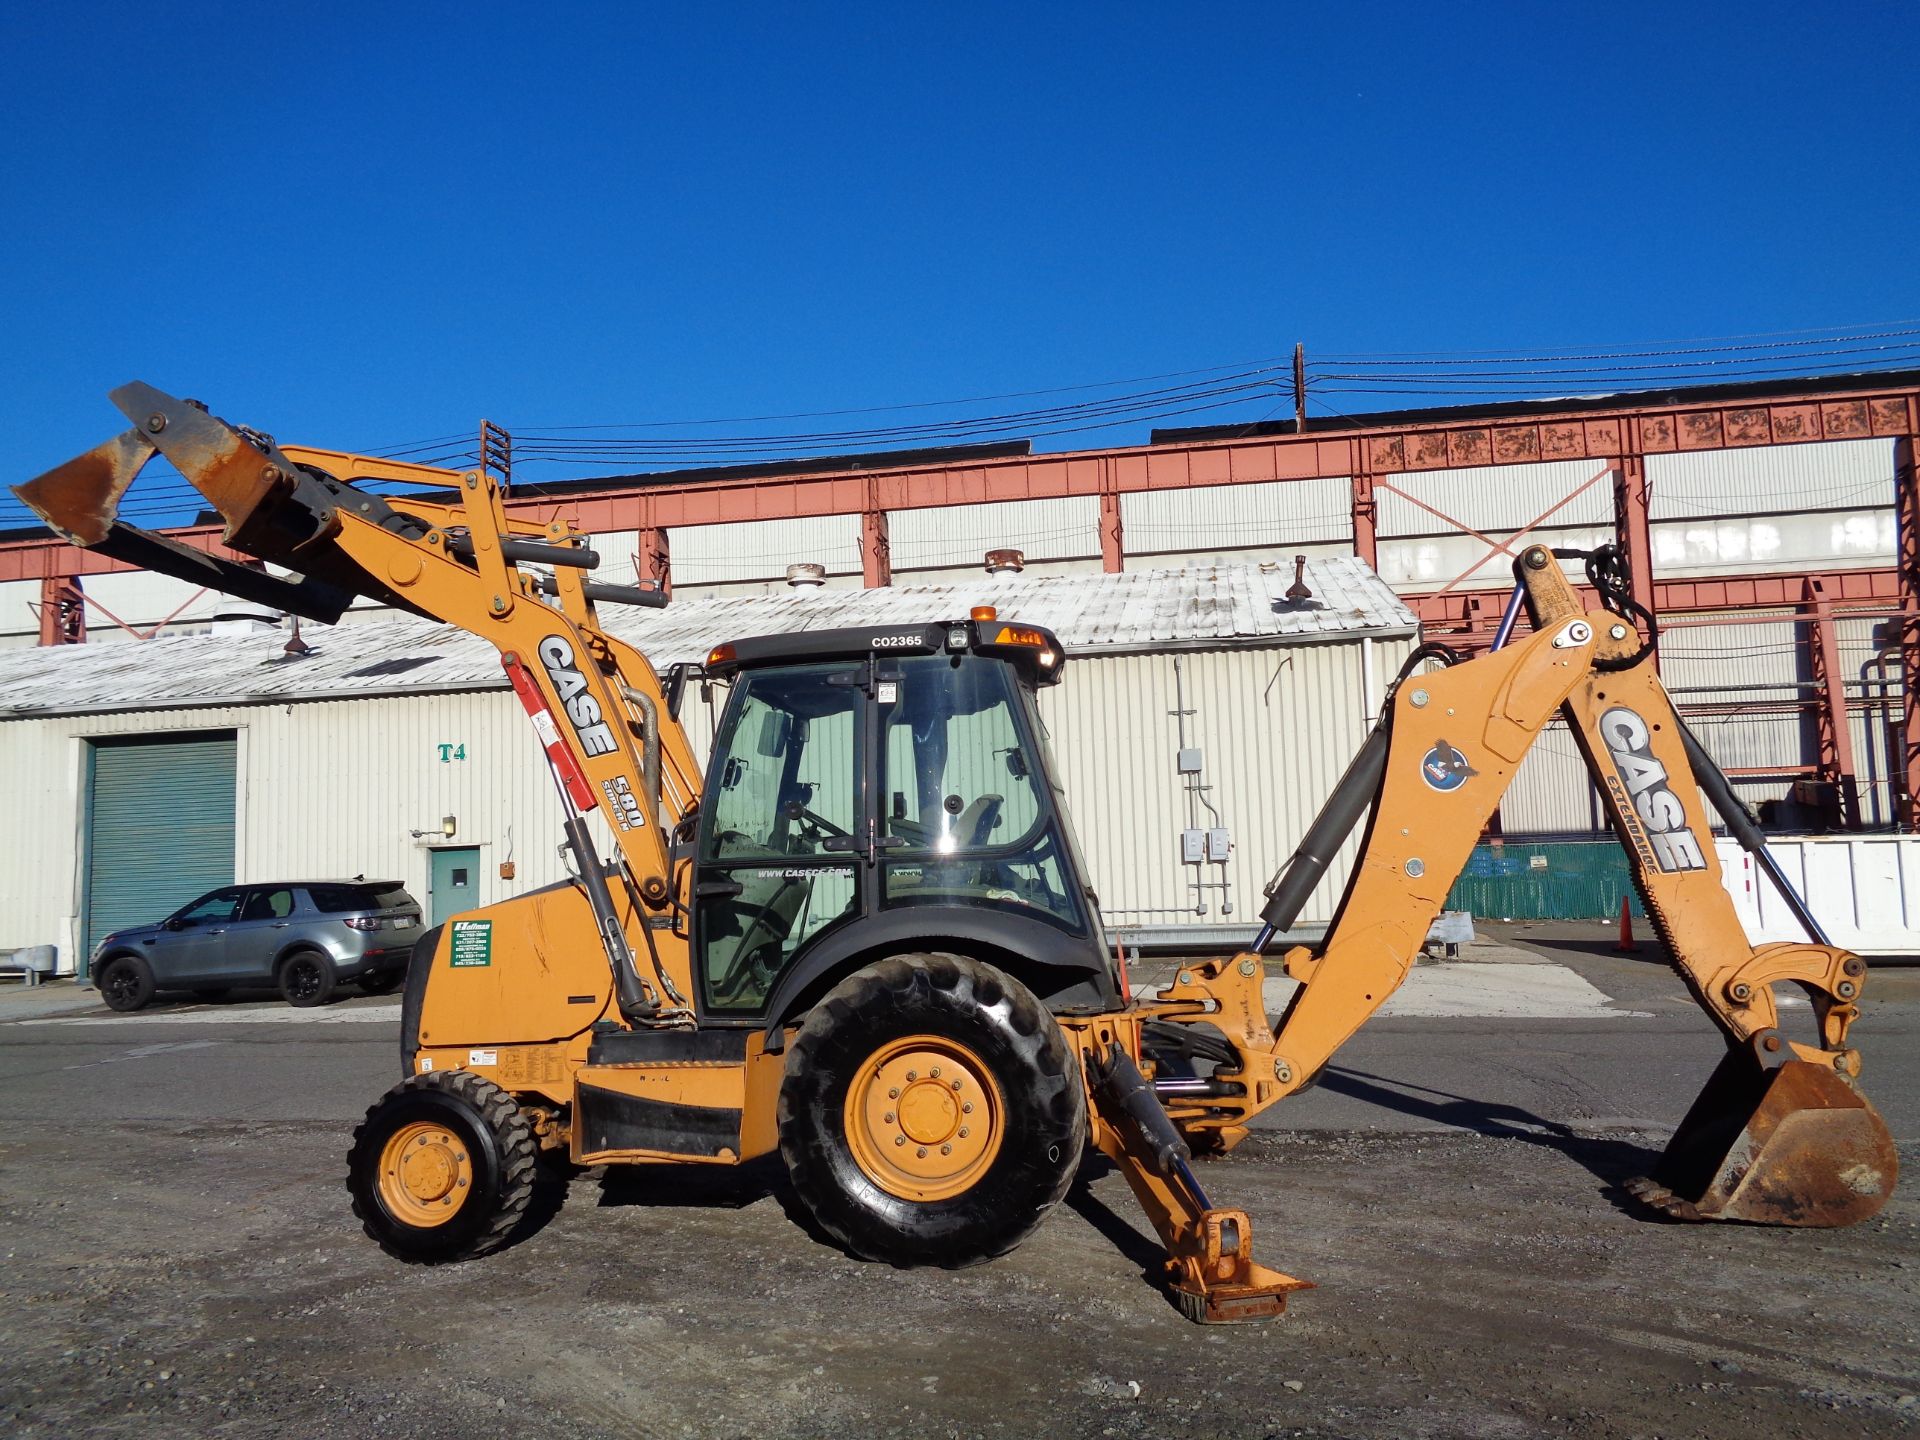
807 575
448 824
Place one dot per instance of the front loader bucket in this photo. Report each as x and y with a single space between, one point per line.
1786 1144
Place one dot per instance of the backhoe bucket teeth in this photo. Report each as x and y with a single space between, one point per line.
1787 1144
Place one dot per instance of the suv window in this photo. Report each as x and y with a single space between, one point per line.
212 909
338 899
268 905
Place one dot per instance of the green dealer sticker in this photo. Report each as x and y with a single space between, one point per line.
472 943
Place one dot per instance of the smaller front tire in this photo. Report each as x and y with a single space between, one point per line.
306 978
442 1168
126 983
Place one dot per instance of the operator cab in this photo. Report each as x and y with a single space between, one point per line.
881 790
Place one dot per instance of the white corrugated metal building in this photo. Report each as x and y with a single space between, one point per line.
346 761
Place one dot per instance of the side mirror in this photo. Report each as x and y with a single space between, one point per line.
1016 765
733 772
676 687
173 922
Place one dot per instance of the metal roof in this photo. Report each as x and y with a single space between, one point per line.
1142 611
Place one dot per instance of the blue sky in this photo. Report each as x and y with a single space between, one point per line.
363 225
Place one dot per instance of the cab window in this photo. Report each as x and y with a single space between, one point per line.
778 866
963 805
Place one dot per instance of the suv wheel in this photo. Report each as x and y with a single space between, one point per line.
126 983
306 978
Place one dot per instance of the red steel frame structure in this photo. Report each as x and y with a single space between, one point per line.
1619 437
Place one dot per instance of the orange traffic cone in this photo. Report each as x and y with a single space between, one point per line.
1626 945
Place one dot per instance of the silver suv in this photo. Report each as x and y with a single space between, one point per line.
303 936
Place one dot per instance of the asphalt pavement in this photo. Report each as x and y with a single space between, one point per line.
180 1260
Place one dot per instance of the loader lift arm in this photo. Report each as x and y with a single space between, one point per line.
464 562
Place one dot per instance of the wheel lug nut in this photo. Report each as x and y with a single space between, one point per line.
956 1084
934 1073
899 1139
894 1094
963 1132
913 1074
921 1152
946 1149
967 1108
888 1117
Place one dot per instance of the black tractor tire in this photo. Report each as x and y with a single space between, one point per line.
486 1158
1009 1050
125 982
382 982
306 979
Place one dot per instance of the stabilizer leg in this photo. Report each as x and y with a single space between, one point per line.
1210 1271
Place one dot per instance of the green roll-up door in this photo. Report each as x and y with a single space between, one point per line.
159 826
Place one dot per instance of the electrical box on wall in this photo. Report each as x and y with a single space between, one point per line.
1193 847
1218 844
1189 761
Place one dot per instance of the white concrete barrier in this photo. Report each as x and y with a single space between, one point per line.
1865 890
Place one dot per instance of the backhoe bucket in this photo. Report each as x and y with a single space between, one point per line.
1786 1144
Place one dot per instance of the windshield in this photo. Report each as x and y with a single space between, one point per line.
964 803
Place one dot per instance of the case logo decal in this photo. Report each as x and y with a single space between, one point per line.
582 709
1445 768
1652 815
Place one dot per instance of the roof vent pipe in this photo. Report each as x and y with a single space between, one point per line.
1006 562
806 576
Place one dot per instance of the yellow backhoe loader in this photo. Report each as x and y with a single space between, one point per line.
864 938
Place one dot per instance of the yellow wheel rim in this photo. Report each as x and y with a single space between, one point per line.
925 1118
426 1174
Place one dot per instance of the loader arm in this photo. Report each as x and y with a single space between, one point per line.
595 701
1780 1134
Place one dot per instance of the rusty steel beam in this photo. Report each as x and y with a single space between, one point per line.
1456 616
1369 451
1906 489
1830 704
1632 527
876 549
654 562
63 611
1113 535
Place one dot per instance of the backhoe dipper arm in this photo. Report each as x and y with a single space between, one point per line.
1779 1134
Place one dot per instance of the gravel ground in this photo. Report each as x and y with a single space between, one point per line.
203 1279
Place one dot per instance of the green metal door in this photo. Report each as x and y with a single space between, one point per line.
455 882
159 827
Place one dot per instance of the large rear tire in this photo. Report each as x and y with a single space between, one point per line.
442 1168
932 1112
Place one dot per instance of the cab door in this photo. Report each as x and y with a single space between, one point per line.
780 859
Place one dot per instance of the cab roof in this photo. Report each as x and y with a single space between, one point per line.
1033 650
